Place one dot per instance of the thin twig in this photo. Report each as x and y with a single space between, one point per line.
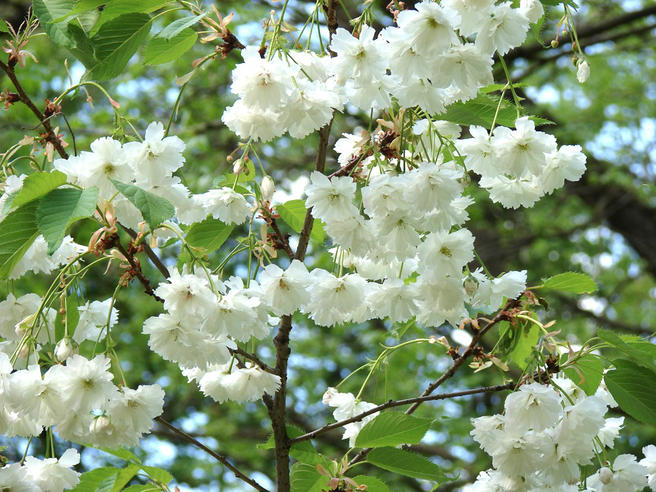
159 264
399 403
503 315
25 99
219 457
253 358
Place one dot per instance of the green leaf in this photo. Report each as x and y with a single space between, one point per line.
154 209
80 7
177 26
116 8
123 454
372 483
576 283
60 208
37 185
632 386
302 451
586 373
49 10
72 313
123 477
209 234
641 352
293 214
392 429
81 46
306 478
526 338
157 474
406 463
142 488
4 27
161 50
18 231
92 480
481 111
116 42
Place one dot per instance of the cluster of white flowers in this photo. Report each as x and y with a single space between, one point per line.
423 61
79 399
205 317
35 475
544 436
347 406
149 165
519 166
18 320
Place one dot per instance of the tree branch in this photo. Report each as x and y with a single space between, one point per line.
25 99
503 315
219 457
399 403
150 253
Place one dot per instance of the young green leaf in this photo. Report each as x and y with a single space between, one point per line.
526 338
162 50
586 373
632 386
177 26
116 8
91 481
576 283
406 463
209 234
639 351
306 478
373 484
392 429
116 42
49 10
157 474
293 214
154 209
481 111
37 185
18 231
60 208
4 27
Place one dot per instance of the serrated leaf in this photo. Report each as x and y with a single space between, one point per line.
161 50
116 42
91 480
209 234
37 185
641 352
153 208
392 429
632 386
576 283
49 10
157 474
18 231
116 8
588 373
526 338
293 214
406 463
123 477
372 483
481 111
179 25
60 208
81 46
81 7
306 478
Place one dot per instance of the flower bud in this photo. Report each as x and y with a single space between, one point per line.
605 475
238 167
268 188
100 425
583 71
65 348
554 43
